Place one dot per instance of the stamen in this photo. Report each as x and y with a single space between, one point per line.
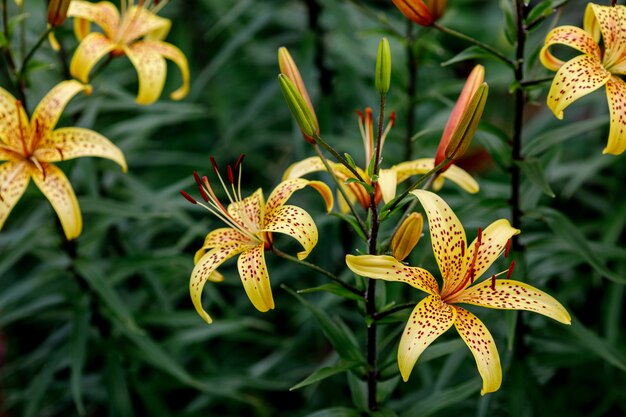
507 248
231 177
508 275
205 197
188 197
60 151
39 166
493 283
392 121
215 167
239 161
197 178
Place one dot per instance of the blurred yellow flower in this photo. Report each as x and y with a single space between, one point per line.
137 33
29 148
597 66
461 266
251 222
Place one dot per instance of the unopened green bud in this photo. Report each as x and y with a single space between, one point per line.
462 136
57 12
298 106
383 67
407 236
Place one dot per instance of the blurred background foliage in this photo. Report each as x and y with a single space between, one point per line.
105 326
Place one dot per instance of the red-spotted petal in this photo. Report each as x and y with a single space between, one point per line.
50 108
9 122
89 52
295 222
389 269
14 177
285 189
513 295
255 279
221 237
151 71
249 211
429 320
56 187
573 37
171 52
576 78
76 142
480 342
204 268
455 174
612 21
447 236
104 14
616 95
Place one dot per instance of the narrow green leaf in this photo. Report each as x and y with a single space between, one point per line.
78 348
443 399
597 345
352 222
473 52
333 288
365 185
533 170
545 141
323 373
335 412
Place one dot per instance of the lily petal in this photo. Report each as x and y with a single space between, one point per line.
285 189
9 122
612 21
250 209
151 71
387 181
49 109
448 238
175 55
90 50
591 23
255 279
104 14
616 95
75 142
224 236
58 190
421 166
141 21
389 268
513 295
480 342
315 164
295 222
205 267
429 320
576 78
573 37
14 178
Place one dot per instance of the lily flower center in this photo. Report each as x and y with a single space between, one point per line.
130 17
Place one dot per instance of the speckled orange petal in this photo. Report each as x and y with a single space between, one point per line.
576 78
493 241
171 52
75 142
9 122
295 222
139 22
480 342
50 108
612 21
590 23
429 320
58 190
151 71
616 95
90 50
204 268
285 189
447 236
220 237
513 295
573 37
255 279
14 178
455 174
249 211
104 14
389 268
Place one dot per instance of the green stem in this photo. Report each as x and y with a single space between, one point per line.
316 268
30 54
528 83
476 42
339 158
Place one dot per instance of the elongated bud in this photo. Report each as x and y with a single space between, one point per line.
463 120
383 67
422 12
407 236
299 108
57 12
289 69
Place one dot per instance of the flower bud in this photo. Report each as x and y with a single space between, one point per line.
422 12
57 12
463 121
407 236
298 107
383 67
289 69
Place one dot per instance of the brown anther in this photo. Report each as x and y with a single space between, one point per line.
188 197
231 177
493 282
392 118
507 248
203 193
508 274
239 161
215 167
197 178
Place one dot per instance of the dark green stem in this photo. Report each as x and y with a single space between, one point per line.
528 83
338 157
8 57
395 309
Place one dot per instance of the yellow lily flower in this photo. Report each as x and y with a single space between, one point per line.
29 149
388 179
461 265
251 222
594 68
137 33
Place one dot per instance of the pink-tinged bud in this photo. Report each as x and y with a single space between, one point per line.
407 236
422 12
463 121
289 69
57 12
